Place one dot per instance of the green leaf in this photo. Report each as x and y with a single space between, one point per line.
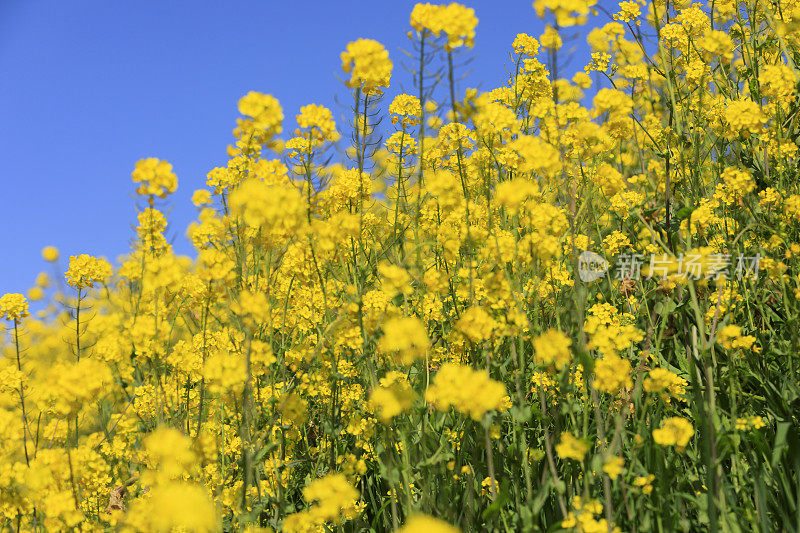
781 442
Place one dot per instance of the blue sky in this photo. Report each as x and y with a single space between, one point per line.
89 87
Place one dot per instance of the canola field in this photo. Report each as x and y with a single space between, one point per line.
567 302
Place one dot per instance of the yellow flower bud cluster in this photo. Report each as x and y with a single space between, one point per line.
458 22
13 307
85 270
155 177
368 64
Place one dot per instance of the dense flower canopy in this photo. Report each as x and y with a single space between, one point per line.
565 302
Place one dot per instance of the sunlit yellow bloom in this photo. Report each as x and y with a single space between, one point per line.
569 447
675 431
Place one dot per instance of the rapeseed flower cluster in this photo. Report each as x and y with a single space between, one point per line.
155 177
84 271
368 64
13 307
469 391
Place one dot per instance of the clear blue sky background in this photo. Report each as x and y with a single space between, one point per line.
89 87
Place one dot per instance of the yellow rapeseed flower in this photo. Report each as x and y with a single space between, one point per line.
552 348
85 270
13 307
427 524
50 254
674 431
469 391
570 447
